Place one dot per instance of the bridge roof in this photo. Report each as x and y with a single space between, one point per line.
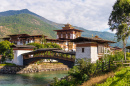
47 49
40 50
50 49
64 52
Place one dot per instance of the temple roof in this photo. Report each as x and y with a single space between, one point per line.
68 30
68 27
93 39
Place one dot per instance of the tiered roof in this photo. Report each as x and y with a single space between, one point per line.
68 27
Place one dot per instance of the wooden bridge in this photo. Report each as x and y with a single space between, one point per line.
67 58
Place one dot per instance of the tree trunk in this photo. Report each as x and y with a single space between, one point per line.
124 49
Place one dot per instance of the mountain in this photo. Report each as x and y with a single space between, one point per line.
24 21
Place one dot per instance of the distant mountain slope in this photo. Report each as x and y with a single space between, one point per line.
25 23
26 11
21 23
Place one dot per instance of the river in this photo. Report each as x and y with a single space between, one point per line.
32 79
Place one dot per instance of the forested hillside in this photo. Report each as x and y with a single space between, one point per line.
25 23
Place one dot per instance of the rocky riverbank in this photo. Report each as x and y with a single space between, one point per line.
33 68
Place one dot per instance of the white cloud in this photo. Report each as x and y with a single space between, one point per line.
89 14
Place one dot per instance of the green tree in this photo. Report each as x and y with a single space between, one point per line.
52 45
37 45
119 20
43 40
48 45
6 50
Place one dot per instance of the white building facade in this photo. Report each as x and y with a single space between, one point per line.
91 48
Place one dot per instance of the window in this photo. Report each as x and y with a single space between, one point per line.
82 50
21 41
64 35
59 35
68 35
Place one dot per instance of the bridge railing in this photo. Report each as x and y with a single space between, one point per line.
59 57
51 54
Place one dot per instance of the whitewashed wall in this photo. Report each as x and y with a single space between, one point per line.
94 55
86 54
18 58
89 53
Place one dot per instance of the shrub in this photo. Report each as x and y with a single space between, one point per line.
128 54
7 64
84 69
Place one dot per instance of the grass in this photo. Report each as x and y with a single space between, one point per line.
98 79
7 64
121 78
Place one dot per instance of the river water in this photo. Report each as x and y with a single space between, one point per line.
32 79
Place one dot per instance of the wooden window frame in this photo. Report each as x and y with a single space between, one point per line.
82 50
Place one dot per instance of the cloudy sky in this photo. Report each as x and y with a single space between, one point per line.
89 14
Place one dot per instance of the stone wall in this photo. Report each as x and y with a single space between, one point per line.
10 69
32 68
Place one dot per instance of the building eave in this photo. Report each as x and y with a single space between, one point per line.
87 39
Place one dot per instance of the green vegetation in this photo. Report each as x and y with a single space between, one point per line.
84 69
7 64
43 40
121 78
5 50
128 56
25 23
78 74
37 45
47 45
117 56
